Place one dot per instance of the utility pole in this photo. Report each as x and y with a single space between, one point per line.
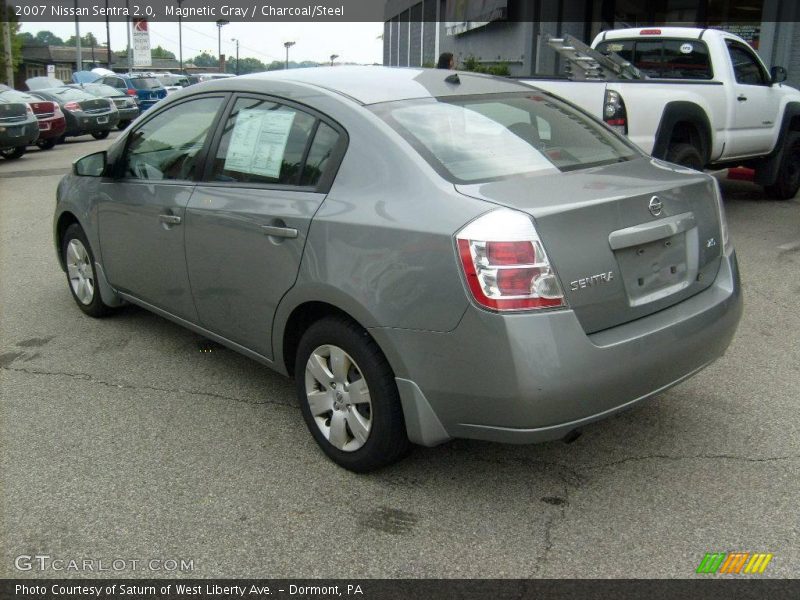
108 40
78 51
128 32
287 45
6 24
180 36
220 24
237 54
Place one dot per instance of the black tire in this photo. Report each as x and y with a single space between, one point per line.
62 139
788 181
123 124
685 155
100 135
13 153
386 441
47 144
96 307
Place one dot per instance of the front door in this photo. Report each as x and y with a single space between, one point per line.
141 216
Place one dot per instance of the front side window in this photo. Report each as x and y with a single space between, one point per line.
746 67
480 138
166 146
266 142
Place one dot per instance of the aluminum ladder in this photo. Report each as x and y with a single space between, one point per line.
583 62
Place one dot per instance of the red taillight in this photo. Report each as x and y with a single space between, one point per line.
650 32
505 264
72 106
131 92
614 113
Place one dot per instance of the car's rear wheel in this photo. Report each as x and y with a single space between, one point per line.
123 124
685 155
12 153
46 144
100 135
348 396
81 272
788 180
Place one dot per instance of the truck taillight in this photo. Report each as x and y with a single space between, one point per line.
505 264
614 113
72 106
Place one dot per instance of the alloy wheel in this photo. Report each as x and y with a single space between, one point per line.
79 269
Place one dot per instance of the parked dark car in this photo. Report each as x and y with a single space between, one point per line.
51 120
148 90
18 128
127 106
84 113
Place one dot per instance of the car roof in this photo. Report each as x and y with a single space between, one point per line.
691 33
375 84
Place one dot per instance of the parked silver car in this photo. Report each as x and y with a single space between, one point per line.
430 254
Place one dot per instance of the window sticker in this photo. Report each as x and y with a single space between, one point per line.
616 47
686 48
259 142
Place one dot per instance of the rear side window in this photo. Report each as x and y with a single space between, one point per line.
268 143
481 138
166 146
114 82
145 83
322 148
664 59
746 67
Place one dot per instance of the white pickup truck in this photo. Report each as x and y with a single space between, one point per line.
697 97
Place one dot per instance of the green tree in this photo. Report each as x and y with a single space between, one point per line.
10 20
48 38
159 52
205 60
87 41
246 65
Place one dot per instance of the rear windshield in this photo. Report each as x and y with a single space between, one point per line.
663 59
145 83
103 90
67 94
469 139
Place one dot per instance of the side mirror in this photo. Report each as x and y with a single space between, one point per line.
778 74
93 165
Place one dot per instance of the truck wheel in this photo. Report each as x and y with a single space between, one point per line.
348 396
788 181
685 155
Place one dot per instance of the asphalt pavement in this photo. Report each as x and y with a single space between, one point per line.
130 438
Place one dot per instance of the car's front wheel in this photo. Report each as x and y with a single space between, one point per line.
348 396
12 153
81 272
100 135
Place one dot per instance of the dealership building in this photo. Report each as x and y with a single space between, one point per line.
513 31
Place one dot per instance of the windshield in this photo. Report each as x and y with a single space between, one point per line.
145 83
469 139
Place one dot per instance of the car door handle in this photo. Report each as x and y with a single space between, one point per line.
283 232
742 98
170 219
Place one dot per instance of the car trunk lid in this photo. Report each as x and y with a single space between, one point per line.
43 109
626 240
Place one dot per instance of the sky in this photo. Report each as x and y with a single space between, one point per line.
353 42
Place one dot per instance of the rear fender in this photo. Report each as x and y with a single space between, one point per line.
679 112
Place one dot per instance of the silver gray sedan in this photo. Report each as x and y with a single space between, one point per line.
430 254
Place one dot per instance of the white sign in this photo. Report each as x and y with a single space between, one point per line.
51 70
258 142
141 44
686 49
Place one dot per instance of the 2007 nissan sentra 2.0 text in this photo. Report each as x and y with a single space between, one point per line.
430 254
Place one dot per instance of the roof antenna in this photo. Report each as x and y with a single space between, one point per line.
453 79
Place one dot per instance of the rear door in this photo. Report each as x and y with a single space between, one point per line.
755 103
247 222
141 215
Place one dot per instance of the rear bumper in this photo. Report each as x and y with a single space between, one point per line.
85 124
10 138
55 127
525 378
128 114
